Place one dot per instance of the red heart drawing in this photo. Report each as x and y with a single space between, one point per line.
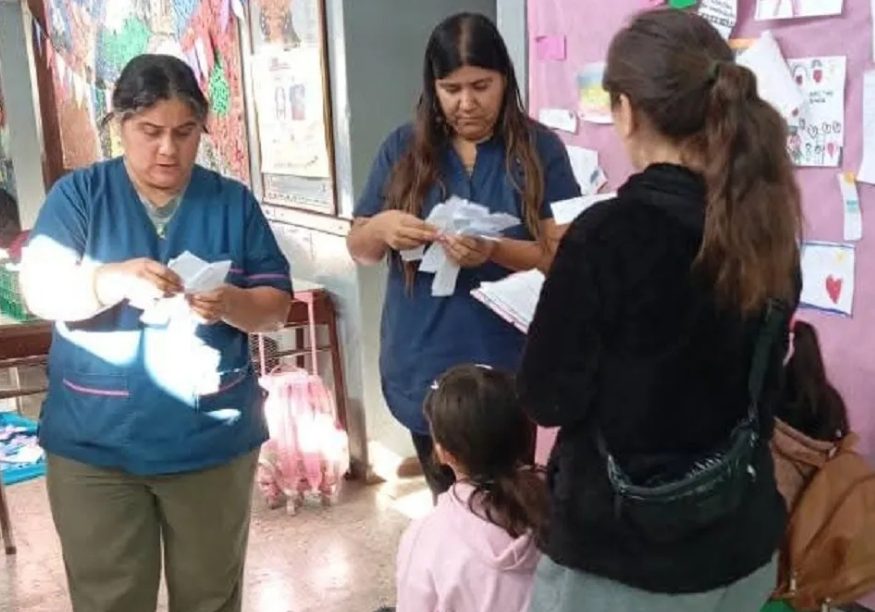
830 148
818 75
834 288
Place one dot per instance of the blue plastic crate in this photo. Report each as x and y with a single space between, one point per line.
13 473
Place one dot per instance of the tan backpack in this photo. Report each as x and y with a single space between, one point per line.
829 554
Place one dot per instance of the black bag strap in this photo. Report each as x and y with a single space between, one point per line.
774 321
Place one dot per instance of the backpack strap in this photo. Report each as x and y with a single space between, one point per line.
774 321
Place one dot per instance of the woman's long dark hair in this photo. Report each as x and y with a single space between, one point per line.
466 39
475 416
811 404
680 77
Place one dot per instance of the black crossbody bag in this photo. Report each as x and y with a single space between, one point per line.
680 495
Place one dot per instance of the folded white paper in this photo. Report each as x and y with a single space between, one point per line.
566 211
456 217
585 165
197 276
514 298
559 119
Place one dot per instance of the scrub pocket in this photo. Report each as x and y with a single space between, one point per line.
96 407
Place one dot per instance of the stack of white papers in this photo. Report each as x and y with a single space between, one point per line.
513 298
456 217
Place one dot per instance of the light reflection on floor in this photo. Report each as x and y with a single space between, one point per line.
339 559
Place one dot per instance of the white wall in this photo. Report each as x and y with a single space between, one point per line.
511 20
24 137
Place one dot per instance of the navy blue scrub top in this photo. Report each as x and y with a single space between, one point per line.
155 399
422 336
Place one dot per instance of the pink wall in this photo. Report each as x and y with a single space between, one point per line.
589 25
849 343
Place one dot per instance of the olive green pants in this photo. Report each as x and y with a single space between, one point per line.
112 526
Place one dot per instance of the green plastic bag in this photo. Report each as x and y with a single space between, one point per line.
778 606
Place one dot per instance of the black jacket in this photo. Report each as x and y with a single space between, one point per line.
627 335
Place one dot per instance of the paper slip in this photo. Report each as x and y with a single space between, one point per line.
455 217
853 216
514 298
197 276
566 211
559 119
587 172
774 81
551 48
723 14
867 167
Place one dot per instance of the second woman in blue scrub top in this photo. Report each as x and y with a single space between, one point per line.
471 138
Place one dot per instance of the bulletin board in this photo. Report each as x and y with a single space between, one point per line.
86 43
588 26
291 96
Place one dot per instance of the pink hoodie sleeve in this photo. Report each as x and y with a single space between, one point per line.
415 585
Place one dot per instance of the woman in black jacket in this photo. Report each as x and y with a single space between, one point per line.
647 325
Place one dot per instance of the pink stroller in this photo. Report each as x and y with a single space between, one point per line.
307 453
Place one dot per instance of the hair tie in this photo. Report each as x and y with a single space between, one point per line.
714 71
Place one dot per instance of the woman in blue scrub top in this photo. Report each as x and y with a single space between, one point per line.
470 138
152 429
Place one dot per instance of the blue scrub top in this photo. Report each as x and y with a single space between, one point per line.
155 399
422 336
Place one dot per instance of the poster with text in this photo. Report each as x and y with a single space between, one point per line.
818 137
289 102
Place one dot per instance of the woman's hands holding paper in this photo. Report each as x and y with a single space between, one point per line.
402 231
213 306
141 281
467 251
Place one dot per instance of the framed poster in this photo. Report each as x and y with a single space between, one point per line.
292 118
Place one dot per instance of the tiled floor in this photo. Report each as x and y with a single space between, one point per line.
339 559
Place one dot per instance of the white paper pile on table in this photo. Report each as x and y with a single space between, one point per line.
198 276
514 298
456 217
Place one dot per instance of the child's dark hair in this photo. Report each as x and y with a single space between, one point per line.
680 76
811 404
148 79
476 417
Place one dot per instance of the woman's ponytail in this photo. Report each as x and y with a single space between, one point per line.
753 218
681 78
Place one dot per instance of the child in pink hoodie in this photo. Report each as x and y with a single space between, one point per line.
476 552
